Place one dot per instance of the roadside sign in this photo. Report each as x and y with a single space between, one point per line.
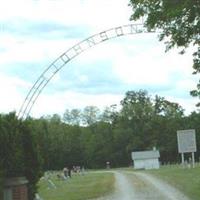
186 141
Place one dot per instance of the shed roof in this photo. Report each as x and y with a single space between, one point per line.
140 155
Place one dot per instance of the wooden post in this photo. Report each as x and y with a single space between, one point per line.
182 158
193 161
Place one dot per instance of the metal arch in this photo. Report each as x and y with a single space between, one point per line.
71 53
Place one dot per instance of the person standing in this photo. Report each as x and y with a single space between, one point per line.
69 172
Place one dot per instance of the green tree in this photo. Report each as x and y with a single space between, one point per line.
136 114
109 114
137 105
72 117
145 122
18 151
31 158
90 115
178 21
167 108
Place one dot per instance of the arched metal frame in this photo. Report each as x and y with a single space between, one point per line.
68 55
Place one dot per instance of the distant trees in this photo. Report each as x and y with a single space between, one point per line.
72 117
88 116
90 137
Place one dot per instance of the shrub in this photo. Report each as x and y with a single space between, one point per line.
18 151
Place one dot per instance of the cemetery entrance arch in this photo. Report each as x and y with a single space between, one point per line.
70 54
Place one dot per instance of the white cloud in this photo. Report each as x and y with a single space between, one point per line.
94 13
58 102
31 50
83 78
137 59
187 104
187 84
11 97
152 66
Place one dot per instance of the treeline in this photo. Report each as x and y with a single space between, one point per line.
91 137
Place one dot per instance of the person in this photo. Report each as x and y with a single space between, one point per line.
69 172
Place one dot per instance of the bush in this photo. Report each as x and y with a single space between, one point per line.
18 151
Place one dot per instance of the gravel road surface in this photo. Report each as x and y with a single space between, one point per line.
142 186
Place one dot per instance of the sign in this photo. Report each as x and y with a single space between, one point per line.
186 141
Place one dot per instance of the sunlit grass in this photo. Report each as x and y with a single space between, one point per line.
79 187
185 179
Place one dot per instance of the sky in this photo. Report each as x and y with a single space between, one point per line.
35 33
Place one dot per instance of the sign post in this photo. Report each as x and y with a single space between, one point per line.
182 158
186 143
193 161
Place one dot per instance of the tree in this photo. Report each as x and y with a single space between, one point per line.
167 108
31 158
109 114
136 114
55 118
19 151
98 144
90 115
72 117
137 105
67 116
178 21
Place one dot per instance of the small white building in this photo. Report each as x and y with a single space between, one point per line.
146 159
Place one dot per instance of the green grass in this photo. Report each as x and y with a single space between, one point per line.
89 186
184 179
93 185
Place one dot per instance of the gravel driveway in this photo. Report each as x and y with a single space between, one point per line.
142 186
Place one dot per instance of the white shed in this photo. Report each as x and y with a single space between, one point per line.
146 159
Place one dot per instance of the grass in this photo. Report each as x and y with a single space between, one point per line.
79 187
93 185
184 179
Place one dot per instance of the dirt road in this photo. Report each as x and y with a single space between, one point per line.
142 186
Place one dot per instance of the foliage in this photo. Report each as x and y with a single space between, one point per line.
31 158
90 115
72 117
1 184
178 21
142 122
19 153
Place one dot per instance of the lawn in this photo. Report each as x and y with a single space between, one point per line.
93 185
79 187
186 180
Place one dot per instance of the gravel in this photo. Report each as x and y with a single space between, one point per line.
142 186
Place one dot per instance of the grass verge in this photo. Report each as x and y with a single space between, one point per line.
184 179
79 187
